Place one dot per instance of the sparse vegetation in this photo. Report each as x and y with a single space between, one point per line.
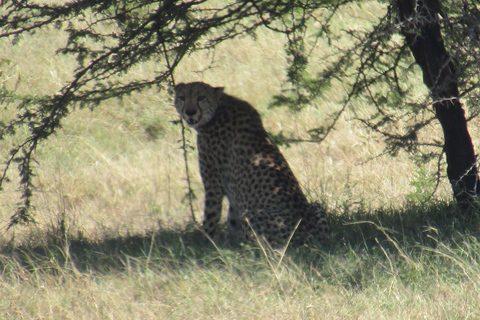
114 240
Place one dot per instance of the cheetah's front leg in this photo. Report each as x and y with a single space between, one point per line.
213 208
235 226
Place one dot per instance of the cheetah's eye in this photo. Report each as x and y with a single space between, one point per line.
181 98
201 98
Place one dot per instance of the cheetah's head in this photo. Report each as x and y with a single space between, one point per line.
196 102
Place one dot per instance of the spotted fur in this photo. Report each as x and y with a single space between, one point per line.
239 160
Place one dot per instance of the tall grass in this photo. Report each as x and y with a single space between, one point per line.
113 238
413 271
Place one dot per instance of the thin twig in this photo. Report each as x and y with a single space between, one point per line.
184 144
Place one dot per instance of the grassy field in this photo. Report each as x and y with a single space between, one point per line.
114 238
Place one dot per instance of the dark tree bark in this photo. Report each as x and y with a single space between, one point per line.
422 33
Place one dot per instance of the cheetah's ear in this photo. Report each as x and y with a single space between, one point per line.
178 86
218 92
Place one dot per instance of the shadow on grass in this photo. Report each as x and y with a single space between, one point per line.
370 234
414 225
110 253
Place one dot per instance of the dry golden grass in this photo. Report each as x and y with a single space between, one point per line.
242 285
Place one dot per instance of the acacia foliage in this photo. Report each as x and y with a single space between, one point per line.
373 65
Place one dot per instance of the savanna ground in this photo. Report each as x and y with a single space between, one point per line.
114 238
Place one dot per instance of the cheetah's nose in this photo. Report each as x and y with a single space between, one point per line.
190 112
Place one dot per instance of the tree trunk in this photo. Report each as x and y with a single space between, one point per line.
422 34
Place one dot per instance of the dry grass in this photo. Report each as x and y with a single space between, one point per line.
185 277
114 177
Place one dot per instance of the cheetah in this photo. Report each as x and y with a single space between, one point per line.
238 160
